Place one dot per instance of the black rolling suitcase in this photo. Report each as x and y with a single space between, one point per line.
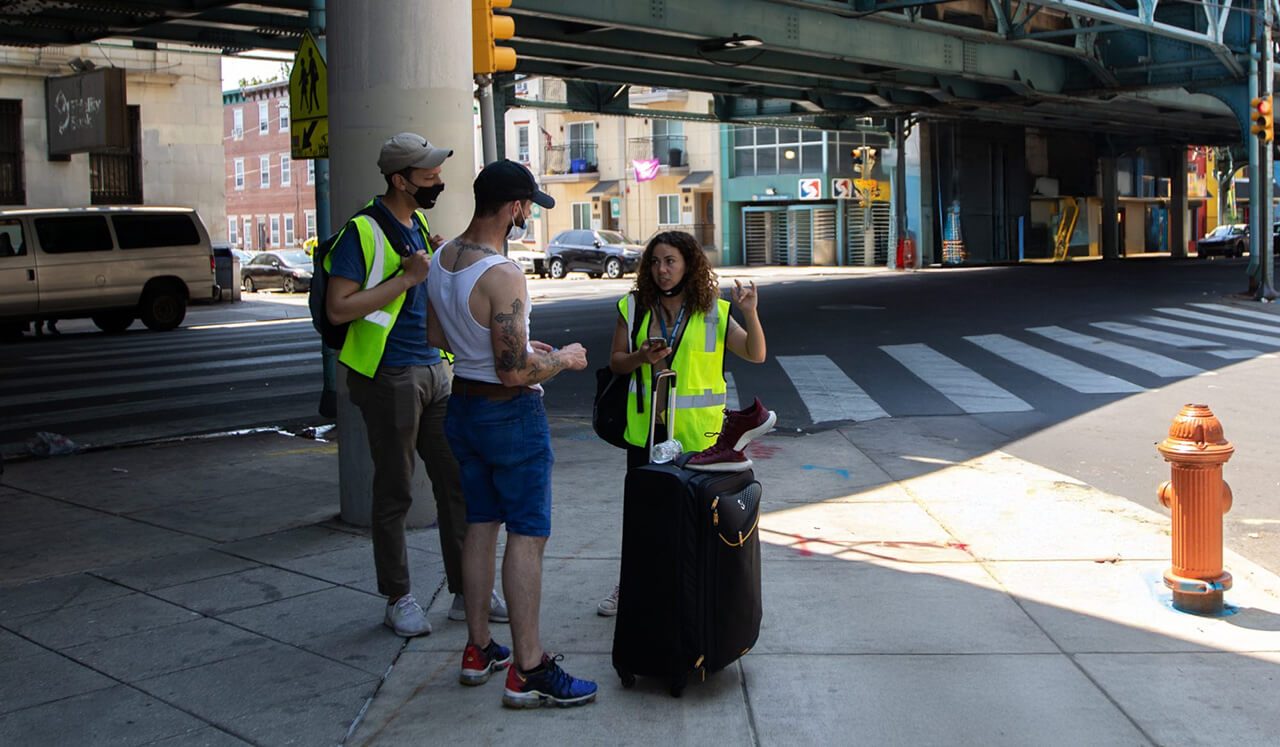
689 598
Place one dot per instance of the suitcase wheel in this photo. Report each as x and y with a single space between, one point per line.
677 685
628 679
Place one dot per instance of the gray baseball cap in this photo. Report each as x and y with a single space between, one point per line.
407 150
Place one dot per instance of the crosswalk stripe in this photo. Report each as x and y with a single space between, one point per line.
1206 329
188 344
121 409
1155 335
1160 365
1053 367
257 362
969 390
731 399
1214 319
827 392
1237 354
150 384
1251 313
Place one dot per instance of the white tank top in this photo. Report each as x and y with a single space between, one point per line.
450 295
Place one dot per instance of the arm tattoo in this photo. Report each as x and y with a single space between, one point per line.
516 356
514 337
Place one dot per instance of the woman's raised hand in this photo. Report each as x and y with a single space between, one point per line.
745 298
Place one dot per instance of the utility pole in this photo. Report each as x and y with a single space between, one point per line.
1266 287
328 356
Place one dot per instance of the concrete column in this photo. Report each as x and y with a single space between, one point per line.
1110 208
1178 202
383 79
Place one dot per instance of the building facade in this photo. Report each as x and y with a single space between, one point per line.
271 199
174 151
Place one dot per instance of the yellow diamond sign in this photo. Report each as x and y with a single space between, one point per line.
309 102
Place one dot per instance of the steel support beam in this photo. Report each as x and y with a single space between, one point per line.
814 33
1145 21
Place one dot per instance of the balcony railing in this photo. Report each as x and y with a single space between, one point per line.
668 149
577 157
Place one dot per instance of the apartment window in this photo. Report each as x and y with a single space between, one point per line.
311 171
286 170
581 216
522 143
12 187
264 122
116 178
248 233
233 230
275 230
668 142
668 210
288 230
582 142
309 217
239 166
765 151
284 115
264 172
237 124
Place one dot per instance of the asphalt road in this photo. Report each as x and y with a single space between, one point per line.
1080 366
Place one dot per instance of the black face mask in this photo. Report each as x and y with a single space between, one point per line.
426 196
675 289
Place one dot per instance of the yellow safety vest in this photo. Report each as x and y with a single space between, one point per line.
700 385
367 336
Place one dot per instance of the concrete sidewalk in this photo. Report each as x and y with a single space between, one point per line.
920 587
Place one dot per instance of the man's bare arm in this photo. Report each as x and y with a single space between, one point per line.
435 330
514 363
345 301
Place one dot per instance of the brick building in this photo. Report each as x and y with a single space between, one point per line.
271 200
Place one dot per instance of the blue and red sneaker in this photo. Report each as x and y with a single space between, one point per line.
478 663
547 684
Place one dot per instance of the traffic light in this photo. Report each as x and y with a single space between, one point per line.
486 29
1263 118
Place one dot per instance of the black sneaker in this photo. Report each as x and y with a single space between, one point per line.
546 685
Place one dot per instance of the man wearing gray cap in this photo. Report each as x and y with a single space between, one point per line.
399 381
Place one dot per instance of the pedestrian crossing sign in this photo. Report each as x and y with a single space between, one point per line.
309 102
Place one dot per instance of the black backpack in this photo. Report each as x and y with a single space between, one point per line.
334 335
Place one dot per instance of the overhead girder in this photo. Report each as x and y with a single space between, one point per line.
812 32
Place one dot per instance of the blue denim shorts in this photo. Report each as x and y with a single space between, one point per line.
503 450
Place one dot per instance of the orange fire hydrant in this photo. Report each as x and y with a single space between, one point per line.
1197 496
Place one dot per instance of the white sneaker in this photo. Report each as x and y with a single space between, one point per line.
406 618
497 609
608 606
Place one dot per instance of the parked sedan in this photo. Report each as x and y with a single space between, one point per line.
289 270
1229 240
532 262
596 253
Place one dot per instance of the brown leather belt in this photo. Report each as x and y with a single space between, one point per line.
497 392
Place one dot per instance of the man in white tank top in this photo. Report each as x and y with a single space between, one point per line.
496 426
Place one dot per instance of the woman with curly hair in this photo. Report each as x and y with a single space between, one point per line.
685 326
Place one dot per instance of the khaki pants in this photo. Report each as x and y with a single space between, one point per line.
404 409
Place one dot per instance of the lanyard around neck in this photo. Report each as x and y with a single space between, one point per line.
670 338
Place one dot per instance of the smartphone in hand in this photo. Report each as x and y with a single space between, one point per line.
656 342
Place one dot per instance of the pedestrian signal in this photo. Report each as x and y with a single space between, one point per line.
486 29
1263 118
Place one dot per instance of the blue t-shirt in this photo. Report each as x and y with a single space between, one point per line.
407 342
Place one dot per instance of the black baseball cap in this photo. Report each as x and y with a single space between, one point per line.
507 180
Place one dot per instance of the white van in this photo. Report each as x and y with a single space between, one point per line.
112 264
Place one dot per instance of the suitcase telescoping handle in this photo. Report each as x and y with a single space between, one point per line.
670 449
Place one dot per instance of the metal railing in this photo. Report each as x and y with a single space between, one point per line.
574 158
668 149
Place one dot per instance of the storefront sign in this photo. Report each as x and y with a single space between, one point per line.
86 112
